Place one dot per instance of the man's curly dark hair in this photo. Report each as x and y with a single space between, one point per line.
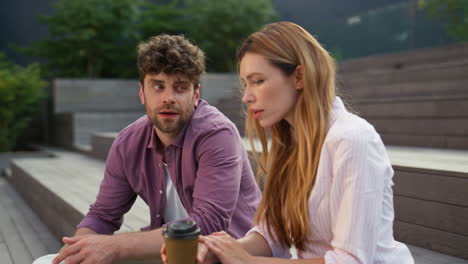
170 54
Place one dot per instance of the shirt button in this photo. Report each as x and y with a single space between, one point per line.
158 215
161 191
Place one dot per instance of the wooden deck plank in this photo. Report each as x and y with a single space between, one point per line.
44 235
432 239
27 233
5 254
444 217
14 242
431 187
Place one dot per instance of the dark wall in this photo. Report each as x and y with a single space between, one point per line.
19 25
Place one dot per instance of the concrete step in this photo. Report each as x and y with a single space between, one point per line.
425 256
64 186
101 144
73 130
96 95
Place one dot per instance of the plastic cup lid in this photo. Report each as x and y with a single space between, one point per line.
182 230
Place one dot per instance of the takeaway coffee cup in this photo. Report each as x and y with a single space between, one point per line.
181 239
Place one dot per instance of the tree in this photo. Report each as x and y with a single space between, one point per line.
454 12
90 38
219 27
163 18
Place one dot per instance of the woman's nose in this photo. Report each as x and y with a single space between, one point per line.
248 97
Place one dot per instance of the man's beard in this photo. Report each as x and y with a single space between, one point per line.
169 127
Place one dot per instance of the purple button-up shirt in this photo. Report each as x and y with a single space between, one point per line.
208 166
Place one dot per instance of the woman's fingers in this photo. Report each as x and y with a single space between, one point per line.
201 253
213 246
222 233
163 253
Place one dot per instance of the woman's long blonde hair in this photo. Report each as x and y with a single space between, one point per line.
290 165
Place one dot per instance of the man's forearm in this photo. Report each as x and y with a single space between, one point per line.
140 245
137 245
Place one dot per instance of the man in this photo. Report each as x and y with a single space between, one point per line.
184 158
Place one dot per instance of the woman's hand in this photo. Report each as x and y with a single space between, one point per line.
204 255
163 253
226 248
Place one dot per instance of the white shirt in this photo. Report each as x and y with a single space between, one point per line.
174 209
351 204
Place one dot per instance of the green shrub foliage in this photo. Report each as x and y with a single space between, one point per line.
21 90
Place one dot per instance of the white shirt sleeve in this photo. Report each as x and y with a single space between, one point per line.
360 170
278 250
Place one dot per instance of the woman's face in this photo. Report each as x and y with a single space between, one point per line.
269 94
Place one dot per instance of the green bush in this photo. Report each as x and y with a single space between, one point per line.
219 27
21 90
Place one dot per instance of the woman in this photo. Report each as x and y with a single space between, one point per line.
328 177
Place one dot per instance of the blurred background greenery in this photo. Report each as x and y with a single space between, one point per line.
97 38
21 91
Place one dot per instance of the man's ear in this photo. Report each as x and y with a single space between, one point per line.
298 77
141 93
196 95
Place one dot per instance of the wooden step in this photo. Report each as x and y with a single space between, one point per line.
23 236
414 59
64 187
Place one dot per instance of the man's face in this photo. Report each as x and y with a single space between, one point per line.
169 101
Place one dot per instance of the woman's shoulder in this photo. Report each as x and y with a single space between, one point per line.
348 129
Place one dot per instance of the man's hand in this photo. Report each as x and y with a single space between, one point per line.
89 249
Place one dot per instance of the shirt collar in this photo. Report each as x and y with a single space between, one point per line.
337 108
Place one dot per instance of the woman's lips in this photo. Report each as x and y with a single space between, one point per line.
257 114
